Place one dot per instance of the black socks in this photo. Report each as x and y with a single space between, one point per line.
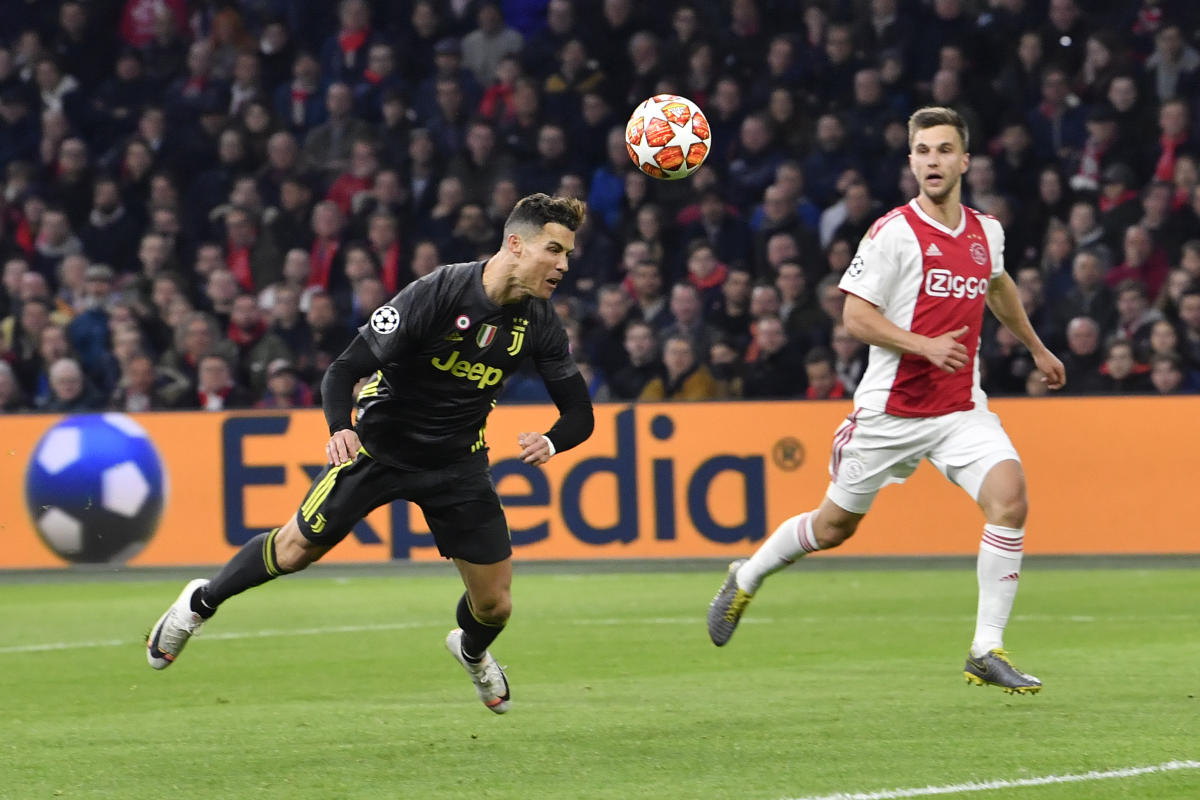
254 564
476 635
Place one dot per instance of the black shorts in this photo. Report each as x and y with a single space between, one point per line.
459 502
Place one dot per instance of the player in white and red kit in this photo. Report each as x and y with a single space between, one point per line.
915 292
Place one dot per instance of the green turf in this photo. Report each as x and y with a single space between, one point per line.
837 681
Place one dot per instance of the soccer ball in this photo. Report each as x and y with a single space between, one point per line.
668 137
95 488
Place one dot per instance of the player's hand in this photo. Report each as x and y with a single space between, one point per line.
342 447
535 448
1054 374
947 353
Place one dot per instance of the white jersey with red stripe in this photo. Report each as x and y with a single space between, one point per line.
928 279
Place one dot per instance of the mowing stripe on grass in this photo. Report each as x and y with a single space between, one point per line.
384 626
983 786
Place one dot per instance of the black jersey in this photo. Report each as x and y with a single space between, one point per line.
447 349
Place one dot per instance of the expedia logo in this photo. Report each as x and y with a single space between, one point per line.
944 283
481 374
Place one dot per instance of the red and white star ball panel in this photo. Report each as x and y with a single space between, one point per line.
668 137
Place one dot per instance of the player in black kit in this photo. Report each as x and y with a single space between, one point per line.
436 355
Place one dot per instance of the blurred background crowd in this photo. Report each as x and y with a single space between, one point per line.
201 201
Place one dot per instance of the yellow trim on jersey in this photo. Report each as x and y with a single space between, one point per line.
371 388
319 492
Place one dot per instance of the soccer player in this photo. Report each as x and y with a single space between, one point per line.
915 293
436 355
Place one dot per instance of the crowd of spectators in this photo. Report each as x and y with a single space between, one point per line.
201 200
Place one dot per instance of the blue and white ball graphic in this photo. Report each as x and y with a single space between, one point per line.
95 488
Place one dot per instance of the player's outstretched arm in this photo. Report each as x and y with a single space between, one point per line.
867 324
576 421
1005 302
337 398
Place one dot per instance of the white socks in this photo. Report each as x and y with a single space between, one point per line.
999 572
791 540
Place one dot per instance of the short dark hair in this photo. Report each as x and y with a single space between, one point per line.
1170 358
1132 285
537 210
819 354
931 117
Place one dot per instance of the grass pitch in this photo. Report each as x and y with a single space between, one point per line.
337 685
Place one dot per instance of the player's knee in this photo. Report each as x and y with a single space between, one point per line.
832 532
493 610
292 551
1010 512
1008 508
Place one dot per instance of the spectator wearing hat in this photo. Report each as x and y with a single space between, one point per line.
1103 147
447 65
88 332
284 388
1119 204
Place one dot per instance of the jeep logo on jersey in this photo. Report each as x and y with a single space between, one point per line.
482 375
944 283
385 320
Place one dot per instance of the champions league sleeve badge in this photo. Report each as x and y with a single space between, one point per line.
385 320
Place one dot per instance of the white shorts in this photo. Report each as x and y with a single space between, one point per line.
872 449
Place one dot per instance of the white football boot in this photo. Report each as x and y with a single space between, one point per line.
487 675
174 628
